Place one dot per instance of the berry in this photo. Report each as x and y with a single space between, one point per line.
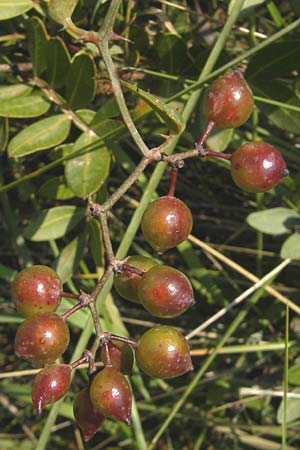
86 415
111 395
166 223
257 166
36 289
126 283
50 385
163 352
42 338
165 292
121 356
229 101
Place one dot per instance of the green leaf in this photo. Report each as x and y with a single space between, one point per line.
219 139
14 90
9 9
37 41
40 135
248 4
109 110
102 127
70 257
58 62
275 61
61 10
4 133
24 106
56 189
87 115
86 173
274 221
95 242
170 117
292 409
172 52
291 247
281 117
80 82
294 374
54 223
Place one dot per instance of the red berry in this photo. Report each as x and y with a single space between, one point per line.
229 101
166 223
163 352
257 166
121 356
86 415
165 292
126 283
42 338
50 385
111 395
36 289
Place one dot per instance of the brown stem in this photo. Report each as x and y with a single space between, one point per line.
83 359
205 134
70 295
131 269
208 154
173 179
72 310
106 238
115 337
107 360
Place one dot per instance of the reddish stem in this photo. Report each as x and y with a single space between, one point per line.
205 133
107 360
72 310
131 269
216 155
69 295
173 179
79 361
123 339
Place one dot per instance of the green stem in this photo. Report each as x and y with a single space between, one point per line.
286 379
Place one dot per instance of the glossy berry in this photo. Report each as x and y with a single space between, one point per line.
50 385
166 223
36 289
165 292
111 395
163 352
126 283
229 101
121 356
257 166
86 415
42 338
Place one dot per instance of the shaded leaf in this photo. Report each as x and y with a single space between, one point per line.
292 409
14 90
291 247
4 133
274 221
172 52
248 4
58 62
80 83
86 173
40 135
24 106
219 139
170 117
276 60
61 10
70 257
103 127
9 9
54 223
37 41
56 188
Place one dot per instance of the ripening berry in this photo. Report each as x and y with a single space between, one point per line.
86 415
36 289
50 384
111 395
166 223
42 338
121 356
257 166
165 292
229 101
163 352
126 283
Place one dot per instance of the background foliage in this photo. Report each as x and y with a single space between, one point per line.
53 91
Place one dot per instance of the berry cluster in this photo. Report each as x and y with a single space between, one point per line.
163 291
